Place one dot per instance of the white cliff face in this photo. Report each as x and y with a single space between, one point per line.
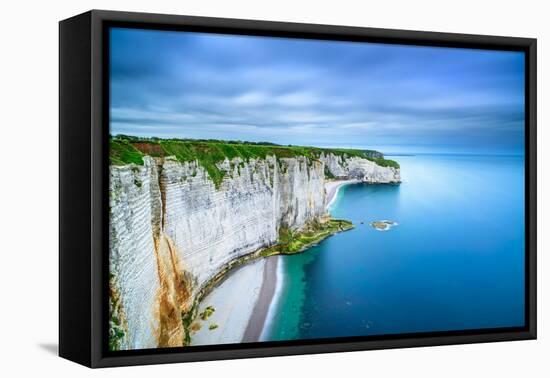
362 169
211 227
172 230
134 206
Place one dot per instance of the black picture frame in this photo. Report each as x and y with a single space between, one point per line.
83 181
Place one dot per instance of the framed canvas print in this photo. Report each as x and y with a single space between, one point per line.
234 188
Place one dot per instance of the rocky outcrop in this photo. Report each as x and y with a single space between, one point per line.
342 167
172 230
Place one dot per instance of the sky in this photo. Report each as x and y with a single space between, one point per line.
393 98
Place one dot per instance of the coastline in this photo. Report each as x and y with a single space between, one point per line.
265 301
246 318
332 188
228 322
274 300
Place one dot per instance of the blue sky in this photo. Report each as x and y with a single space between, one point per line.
323 93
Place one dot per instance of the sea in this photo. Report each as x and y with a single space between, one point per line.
453 260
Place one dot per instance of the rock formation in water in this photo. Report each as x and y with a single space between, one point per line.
172 229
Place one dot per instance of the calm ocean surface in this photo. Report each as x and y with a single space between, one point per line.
454 262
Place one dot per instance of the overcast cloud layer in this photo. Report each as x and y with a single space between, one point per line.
340 94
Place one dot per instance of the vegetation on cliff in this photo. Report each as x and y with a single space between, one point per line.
122 152
291 242
127 150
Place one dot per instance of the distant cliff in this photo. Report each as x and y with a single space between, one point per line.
373 154
180 211
374 171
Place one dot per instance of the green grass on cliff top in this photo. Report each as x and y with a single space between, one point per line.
127 149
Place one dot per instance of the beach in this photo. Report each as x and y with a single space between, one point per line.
241 305
243 301
258 320
233 301
332 187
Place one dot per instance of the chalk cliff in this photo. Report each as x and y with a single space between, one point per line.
172 230
354 167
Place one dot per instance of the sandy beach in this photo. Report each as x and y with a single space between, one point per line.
243 300
257 321
332 188
234 302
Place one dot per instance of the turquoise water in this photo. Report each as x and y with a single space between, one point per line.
455 260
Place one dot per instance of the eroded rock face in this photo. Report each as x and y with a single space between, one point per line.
134 220
372 173
211 227
362 169
172 230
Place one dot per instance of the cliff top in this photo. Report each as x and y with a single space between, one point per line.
127 150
